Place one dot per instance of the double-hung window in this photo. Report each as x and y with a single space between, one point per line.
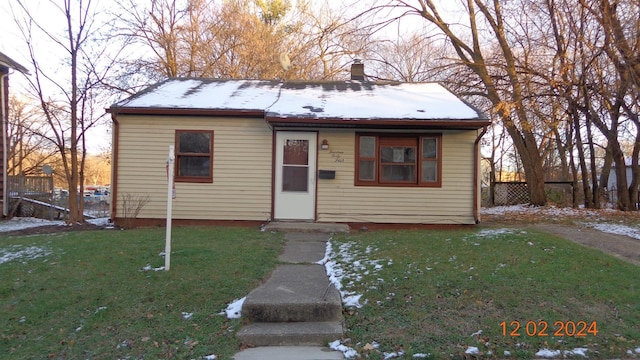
398 160
194 156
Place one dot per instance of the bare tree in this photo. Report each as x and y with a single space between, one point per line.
98 169
620 24
67 95
496 69
241 39
28 152
410 57
331 40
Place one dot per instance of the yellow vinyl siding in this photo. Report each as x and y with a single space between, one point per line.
242 175
241 188
340 200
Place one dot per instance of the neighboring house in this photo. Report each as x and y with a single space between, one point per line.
341 151
6 65
612 184
613 179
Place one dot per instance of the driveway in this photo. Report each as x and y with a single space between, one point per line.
620 246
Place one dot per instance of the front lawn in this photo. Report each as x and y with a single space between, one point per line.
95 295
491 293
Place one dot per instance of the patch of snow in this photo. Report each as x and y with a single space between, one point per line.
345 269
420 356
101 308
507 353
393 355
21 223
352 300
187 315
637 350
548 354
500 210
104 222
472 350
632 232
22 253
150 268
210 357
349 353
494 232
577 351
234 310
327 254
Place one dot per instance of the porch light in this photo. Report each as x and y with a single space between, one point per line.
324 145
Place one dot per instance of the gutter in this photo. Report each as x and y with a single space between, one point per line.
5 119
476 170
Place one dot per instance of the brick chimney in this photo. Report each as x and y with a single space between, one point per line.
357 70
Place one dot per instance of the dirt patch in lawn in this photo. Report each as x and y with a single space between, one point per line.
568 226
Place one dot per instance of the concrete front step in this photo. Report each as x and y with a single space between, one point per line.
303 226
288 353
294 293
293 333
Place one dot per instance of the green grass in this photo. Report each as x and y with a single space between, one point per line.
88 298
436 288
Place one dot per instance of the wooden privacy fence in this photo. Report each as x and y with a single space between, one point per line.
514 193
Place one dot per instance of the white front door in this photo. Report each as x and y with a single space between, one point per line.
295 187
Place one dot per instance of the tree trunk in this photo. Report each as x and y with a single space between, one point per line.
588 201
595 187
624 199
606 170
531 162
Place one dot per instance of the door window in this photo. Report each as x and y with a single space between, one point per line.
295 165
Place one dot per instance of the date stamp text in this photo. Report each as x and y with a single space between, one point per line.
542 328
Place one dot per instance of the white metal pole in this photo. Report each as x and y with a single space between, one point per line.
167 247
5 119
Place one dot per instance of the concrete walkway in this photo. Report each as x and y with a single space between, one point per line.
277 306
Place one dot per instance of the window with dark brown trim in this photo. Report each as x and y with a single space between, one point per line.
194 156
398 160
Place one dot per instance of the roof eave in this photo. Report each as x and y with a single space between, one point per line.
466 124
184 111
9 63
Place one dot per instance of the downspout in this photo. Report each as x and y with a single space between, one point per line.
476 178
114 167
5 118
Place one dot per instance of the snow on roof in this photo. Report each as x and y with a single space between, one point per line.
308 100
358 100
206 94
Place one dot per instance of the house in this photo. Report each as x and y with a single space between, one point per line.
257 151
6 65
